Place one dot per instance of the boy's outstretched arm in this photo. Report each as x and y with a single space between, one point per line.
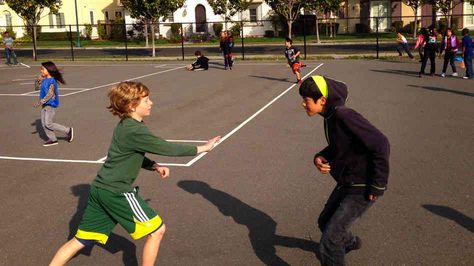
209 145
377 145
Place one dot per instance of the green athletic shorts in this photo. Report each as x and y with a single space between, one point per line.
105 209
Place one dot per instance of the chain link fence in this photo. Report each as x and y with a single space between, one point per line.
358 36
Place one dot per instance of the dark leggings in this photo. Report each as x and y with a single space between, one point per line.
431 54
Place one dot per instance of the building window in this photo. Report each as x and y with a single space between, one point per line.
60 23
91 15
51 20
8 19
468 15
170 17
118 14
253 14
106 15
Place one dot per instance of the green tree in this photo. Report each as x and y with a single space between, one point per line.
30 11
287 9
415 5
446 7
229 8
150 11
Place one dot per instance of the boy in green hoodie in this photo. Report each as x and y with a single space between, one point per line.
112 197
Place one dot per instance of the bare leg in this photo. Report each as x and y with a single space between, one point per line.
66 252
152 245
298 75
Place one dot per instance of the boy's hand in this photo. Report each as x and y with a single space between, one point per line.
38 104
163 171
322 164
372 197
209 145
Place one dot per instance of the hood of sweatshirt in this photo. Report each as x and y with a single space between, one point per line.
336 96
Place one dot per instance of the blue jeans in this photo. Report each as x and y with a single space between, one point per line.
341 211
9 52
449 57
468 64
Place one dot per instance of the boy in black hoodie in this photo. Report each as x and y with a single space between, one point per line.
356 157
201 63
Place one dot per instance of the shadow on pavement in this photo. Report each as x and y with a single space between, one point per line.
286 80
397 71
115 243
451 214
39 129
262 228
470 94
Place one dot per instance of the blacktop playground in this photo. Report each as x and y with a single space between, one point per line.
255 198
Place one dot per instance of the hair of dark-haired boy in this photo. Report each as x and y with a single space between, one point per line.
449 29
288 39
309 89
465 31
197 53
53 71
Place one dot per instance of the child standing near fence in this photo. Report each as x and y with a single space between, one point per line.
467 53
402 44
450 46
49 101
9 52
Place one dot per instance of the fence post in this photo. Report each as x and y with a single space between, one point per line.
70 41
35 56
304 37
242 39
377 35
182 41
126 41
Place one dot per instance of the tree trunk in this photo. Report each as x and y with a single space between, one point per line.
317 30
289 22
152 39
415 25
146 33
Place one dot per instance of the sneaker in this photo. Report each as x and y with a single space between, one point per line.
357 244
465 77
455 74
70 135
443 75
50 143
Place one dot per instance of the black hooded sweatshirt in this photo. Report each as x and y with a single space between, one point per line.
358 153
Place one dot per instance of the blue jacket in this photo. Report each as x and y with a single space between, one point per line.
45 84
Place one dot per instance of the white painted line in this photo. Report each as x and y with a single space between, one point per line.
250 118
113 83
27 83
72 161
25 65
102 159
161 66
4 94
31 92
185 140
20 79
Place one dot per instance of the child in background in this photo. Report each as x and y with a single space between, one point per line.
201 63
467 53
49 101
402 44
430 50
450 46
112 197
292 54
357 157
420 43
8 42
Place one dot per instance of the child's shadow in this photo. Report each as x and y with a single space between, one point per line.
39 129
115 242
262 228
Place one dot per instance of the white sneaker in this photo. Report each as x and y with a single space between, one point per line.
443 75
465 77
455 74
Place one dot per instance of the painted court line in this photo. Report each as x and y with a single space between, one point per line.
197 158
71 161
117 82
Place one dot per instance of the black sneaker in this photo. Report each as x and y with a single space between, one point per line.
50 143
70 135
357 244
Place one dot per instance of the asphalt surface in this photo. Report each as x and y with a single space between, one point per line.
255 198
177 51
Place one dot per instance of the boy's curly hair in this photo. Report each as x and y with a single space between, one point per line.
125 96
